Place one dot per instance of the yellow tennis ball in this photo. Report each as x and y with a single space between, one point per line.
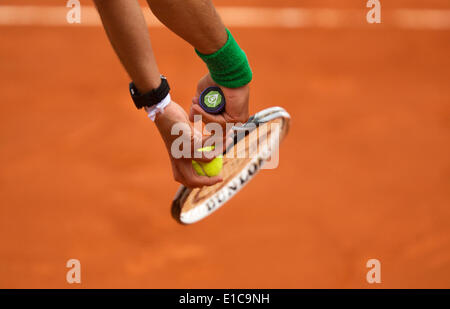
211 168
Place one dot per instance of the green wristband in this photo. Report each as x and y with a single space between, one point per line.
229 65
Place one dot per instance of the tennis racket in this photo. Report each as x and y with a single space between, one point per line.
255 144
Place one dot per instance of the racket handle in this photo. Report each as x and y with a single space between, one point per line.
212 100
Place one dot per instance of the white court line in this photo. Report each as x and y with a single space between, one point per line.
248 17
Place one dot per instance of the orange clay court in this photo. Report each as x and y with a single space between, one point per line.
364 172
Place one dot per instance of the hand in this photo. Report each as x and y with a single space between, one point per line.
182 169
236 107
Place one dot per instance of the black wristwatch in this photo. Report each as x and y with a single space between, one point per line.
152 97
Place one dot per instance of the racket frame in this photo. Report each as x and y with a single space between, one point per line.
234 185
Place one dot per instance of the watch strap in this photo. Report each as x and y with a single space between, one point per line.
151 97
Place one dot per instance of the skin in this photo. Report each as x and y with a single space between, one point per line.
198 23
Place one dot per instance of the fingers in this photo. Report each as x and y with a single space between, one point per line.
204 156
191 144
186 175
202 181
191 113
206 117
198 143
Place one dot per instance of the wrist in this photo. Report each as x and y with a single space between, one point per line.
228 66
161 118
148 84
212 46
154 101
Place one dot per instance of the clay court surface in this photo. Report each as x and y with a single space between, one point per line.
364 172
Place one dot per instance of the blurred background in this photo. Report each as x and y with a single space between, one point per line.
364 172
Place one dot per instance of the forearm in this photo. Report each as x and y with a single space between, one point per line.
196 21
130 40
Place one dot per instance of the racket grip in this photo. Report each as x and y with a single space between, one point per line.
212 100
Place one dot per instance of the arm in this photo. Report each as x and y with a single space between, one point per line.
127 31
130 40
198 23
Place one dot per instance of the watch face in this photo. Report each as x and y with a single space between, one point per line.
212 100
